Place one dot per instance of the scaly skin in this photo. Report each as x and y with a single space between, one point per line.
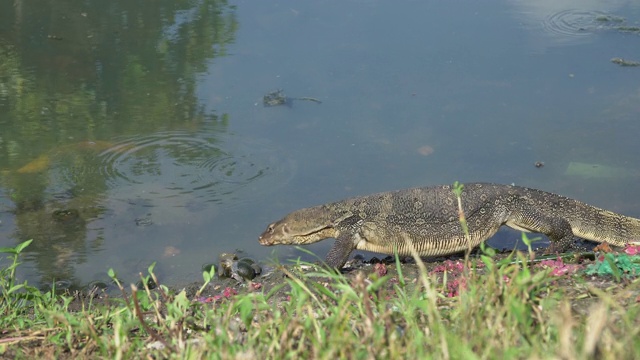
428 217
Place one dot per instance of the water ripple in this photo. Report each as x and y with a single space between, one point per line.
176 162
575 23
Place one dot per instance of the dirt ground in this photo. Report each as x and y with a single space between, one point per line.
568 275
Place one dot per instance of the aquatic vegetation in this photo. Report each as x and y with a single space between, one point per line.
278 97
629 29
625 62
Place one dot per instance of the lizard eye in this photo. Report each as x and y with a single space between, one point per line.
270 228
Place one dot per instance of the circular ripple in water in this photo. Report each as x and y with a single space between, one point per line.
176 163
572 23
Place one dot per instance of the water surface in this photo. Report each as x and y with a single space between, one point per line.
130 135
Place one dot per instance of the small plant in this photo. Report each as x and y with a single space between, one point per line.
457 191
207 276
18 299
528 242
8 275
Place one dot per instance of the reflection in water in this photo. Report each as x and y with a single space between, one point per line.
46 160
73 72
60 233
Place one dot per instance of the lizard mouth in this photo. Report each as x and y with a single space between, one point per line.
271 237
264 239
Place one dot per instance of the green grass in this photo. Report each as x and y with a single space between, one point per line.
507 310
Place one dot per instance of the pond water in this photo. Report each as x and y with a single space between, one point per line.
131 134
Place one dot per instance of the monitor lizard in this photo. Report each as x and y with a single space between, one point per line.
429 218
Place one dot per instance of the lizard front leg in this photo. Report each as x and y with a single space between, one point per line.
339 253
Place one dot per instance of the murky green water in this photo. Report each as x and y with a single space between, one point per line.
135 132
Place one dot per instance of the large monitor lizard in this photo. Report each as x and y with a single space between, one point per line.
428 217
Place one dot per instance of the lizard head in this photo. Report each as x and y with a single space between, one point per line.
297 228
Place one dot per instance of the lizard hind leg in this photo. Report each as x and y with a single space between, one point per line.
562 245
560 235
557 229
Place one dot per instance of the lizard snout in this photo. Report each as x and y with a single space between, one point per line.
265 239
